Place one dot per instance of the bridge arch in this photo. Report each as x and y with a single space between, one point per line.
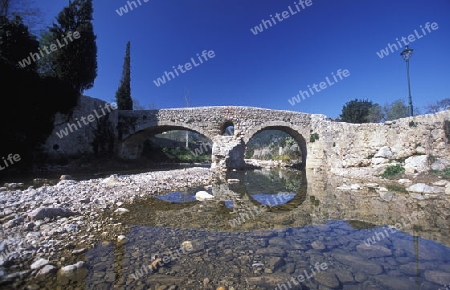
284 127
131 146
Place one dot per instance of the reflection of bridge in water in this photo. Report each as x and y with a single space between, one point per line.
316 201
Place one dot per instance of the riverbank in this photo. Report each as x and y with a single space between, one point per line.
47 229
32 232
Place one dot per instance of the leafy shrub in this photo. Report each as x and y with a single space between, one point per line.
284 158
445 173
397 188
393 171
413 124
313 137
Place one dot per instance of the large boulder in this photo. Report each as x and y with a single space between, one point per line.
419 163
383 155
76 272
384 152
50 212
440 164
424 188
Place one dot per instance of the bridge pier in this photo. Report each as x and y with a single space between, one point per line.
227 153
130 150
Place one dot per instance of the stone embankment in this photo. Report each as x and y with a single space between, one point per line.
41 225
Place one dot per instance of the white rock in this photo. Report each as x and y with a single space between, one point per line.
121 239
442 183
39 263
203 195
417 164
387 196
416 195
344 187
70 270
404 182
384 152
447 189
382 189
71 227
233 180
66 183
372 185
424 188
421 150
49 212
379 160
121 210
46 270
110 180
440 164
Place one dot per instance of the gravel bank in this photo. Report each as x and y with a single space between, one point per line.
50 225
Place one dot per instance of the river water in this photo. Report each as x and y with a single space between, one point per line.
278 229
275 229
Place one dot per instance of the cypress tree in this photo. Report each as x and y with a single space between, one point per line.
123 94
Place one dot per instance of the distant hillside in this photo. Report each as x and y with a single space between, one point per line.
265 138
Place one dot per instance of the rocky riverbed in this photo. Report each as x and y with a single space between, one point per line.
43 229
107 233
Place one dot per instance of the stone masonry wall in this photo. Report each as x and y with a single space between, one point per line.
420 143
80 141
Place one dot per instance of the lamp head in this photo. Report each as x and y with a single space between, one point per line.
406 53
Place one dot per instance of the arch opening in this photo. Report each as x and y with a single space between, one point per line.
167 144
227 129
280 143
175 144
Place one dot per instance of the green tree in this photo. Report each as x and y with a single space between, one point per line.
44 64
356 111
34 101
438 106
76 62
396 110
123 94
4 7
16 43
376 114
27 10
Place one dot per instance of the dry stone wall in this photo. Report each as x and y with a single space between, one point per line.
420 143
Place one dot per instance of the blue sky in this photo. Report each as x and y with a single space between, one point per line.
267 69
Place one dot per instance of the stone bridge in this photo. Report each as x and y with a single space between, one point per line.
419 143
133 127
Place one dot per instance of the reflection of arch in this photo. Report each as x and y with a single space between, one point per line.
300 197
241 187
284 127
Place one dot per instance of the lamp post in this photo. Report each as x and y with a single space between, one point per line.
406 54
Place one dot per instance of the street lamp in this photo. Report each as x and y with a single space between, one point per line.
406 54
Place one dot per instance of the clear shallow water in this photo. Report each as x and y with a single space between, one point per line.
265 259
277 230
